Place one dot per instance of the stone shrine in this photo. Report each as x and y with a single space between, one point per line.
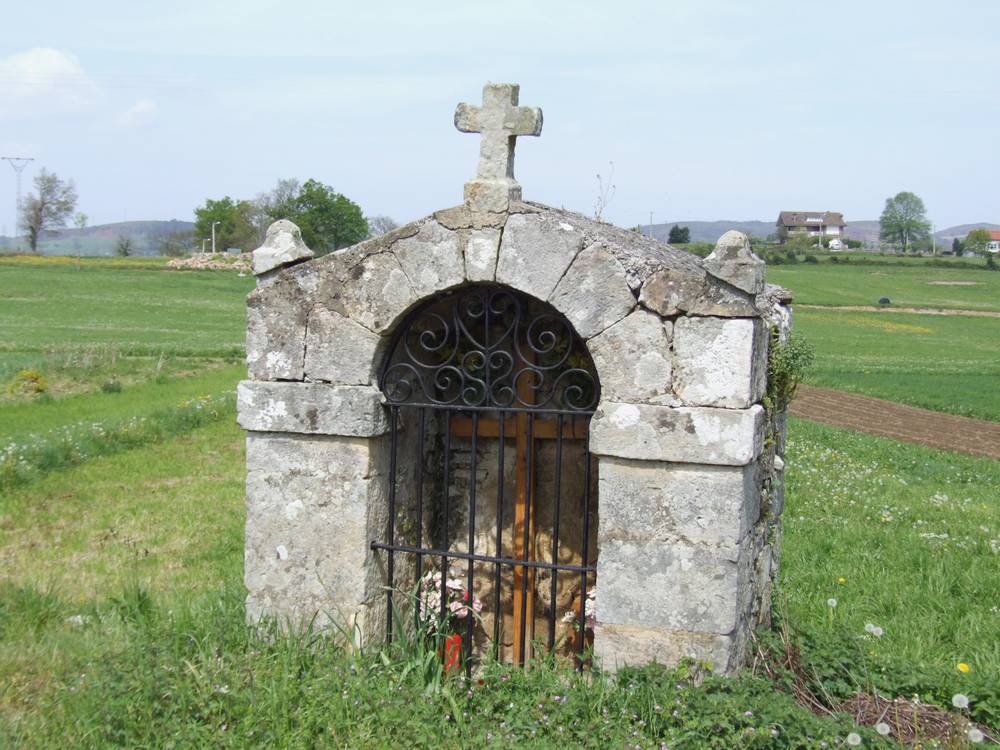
562 417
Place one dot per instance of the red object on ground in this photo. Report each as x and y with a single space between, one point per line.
452 653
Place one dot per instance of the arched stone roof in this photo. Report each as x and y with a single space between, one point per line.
325 319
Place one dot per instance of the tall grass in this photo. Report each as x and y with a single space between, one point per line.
191 673
23 461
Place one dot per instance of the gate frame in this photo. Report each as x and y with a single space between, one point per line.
527 338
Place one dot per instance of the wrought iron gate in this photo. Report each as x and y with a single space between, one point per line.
487 362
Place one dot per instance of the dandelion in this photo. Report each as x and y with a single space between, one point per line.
842 580
874 629
962 667
831 602
975 736
960 701
883 728
854 739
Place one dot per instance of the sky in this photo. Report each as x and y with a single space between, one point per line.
691 110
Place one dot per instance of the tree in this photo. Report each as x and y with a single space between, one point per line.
328 220
48 208
977 240
904 220
957 248
379 225
679 235
124 246
235 223
173 244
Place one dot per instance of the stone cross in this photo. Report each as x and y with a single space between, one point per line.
499 120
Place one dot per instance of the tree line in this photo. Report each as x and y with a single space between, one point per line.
328 219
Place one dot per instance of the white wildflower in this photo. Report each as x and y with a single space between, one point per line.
960 701
854 739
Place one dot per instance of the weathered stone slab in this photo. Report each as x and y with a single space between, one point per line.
308 524
276 324
460 217
593 293
633 360
619 645
672 291
690 503
535 252
376 292
481 248
672 585
282 245
704 435
431 259
719 361
311 408
338 350
774 304
733 261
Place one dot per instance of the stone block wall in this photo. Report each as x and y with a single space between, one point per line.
689 479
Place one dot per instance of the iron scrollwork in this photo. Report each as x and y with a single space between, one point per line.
490 348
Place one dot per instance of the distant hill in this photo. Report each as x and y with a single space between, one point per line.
101 239
710 231
961 230
865 230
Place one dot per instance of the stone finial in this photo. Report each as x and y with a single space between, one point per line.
499 121
282 245
733 261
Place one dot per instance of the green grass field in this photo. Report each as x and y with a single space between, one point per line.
137 305
905 286
121 617
945 363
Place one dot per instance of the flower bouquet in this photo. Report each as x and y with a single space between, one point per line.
458 605
572 619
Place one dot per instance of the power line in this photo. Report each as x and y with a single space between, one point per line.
18 163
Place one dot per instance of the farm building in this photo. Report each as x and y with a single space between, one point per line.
814 223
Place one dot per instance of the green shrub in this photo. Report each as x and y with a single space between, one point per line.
27 382
111 386
810 258
787 364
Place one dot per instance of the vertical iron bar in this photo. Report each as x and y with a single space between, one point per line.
527 526
496 574
420 504
583 559
447 504
391 530
555 534
472 546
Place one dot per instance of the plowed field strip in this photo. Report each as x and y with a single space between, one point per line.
877 416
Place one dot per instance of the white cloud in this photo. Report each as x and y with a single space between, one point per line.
44 81
137 115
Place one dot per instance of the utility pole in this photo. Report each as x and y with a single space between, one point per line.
650 223
213 235
18 163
